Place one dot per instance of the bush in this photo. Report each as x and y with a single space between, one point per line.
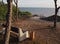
3 12
25 15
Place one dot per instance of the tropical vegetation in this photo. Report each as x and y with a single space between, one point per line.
3 12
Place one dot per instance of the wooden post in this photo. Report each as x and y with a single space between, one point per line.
9 16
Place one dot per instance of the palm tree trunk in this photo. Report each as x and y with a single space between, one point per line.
8 19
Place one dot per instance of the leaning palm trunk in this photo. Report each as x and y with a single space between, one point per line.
8 21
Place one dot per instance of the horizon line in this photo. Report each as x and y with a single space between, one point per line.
35 7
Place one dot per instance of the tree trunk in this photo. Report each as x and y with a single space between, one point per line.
8 21
2 1
55 16
16 9
16 2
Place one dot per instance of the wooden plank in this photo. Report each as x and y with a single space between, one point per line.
14 33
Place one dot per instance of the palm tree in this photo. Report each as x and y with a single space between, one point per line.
8 21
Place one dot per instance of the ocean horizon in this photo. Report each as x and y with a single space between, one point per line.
39 11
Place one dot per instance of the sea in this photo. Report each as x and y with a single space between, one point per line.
39 11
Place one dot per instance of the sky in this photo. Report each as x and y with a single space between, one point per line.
36 3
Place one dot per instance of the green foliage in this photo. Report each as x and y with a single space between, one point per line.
3 12
25 14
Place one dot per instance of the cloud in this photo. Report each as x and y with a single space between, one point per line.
36 3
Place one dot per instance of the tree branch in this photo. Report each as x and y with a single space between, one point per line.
58 8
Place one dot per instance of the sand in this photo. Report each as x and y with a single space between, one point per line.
44 33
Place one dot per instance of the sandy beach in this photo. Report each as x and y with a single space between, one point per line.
44 34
